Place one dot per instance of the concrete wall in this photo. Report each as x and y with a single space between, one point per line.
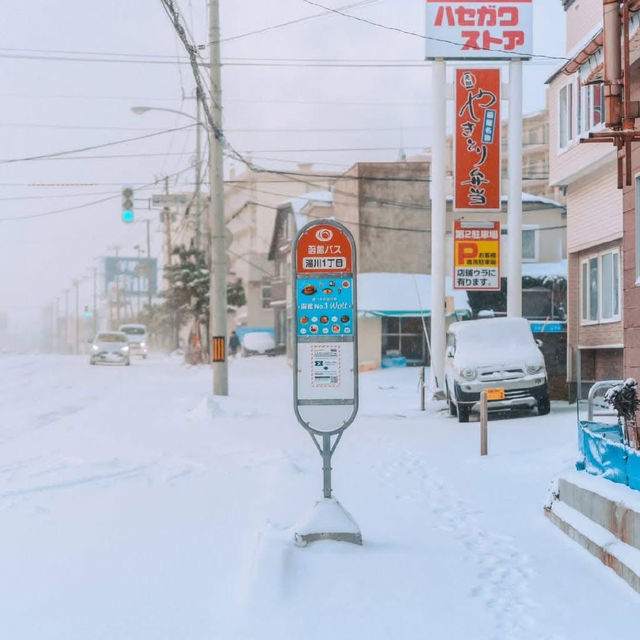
395 196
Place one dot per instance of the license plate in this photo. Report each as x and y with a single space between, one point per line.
495 394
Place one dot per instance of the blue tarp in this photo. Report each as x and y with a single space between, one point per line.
605 454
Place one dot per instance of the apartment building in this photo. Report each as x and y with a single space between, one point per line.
251 202
595 224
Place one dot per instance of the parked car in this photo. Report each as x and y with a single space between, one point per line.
257 343
497 355
110 347
138 338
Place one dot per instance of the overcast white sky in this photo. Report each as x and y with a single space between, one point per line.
50 104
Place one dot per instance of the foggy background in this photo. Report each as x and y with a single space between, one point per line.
73 70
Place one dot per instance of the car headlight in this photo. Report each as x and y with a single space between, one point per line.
143 345
534 368
469 374
125 349
95 347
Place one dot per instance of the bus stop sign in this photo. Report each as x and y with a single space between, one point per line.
326 348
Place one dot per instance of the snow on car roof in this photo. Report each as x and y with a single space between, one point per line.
498 329
490 340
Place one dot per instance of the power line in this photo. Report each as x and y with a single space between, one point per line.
80 206
290 22
340 12
96 146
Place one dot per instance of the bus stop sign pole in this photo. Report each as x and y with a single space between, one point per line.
325 360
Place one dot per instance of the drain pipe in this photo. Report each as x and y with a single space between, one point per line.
612 27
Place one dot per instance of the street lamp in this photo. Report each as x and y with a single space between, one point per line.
139 110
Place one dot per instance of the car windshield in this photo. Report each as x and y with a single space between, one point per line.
111 337
133 331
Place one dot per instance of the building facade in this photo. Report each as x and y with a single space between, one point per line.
596 225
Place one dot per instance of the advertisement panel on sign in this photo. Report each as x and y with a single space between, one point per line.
491 30
326 363
476 255
136 276
477 140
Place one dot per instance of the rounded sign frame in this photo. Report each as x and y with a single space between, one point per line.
325 354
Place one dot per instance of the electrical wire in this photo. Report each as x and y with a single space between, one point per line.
291 22
80 206
96 146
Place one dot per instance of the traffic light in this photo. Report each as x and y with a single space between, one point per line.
127 204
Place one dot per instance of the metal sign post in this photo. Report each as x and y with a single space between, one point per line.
325 359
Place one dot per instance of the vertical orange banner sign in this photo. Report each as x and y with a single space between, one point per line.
477 140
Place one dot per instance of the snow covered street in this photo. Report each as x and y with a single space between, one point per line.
135 506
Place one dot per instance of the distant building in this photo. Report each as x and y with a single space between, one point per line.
387 208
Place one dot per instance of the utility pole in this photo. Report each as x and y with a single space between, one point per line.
117 249
139 271
218 287
514 213
166 214
66 320
438 223
76 284
198 174
57 326
95 301
148 223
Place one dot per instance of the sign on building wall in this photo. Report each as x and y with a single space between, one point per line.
476 255
324 298
495 29
477 140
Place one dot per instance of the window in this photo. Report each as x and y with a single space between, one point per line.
404 336
600 288
266 295
565 115
529 243
590 107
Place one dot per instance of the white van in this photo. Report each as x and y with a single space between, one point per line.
498 355
138 338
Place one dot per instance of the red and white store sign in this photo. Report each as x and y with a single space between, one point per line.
492 29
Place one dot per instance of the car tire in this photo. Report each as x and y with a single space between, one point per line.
92 362
127 362
544 406
463 413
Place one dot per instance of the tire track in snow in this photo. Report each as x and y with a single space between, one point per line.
503 571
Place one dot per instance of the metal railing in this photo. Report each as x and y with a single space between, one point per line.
593 392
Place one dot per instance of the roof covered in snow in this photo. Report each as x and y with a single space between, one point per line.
528 197
406 294
541 269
